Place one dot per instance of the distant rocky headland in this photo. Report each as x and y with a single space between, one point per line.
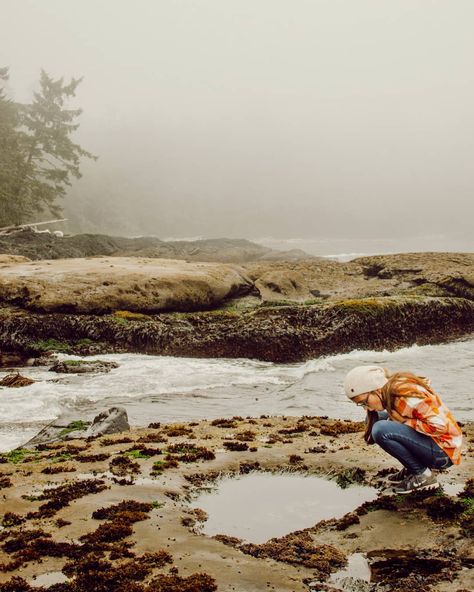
45 245
91 294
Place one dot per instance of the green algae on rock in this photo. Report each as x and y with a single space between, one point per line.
288 334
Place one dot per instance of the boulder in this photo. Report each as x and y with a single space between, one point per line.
101 285
68 427
83 366
112 421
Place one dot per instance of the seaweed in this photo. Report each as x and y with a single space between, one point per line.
111 512
298 548
16 380
108 532
236 446
160 465
299 428
247 467
198 582
349 476
224 423
11 519
122 466
175 430
188 452
5 482
245 436
62 496
90 458
58 469
152 438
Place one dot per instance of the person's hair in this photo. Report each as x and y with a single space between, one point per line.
400 384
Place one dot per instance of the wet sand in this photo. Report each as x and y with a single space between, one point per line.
435 528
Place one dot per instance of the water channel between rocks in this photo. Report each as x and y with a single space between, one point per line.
259 506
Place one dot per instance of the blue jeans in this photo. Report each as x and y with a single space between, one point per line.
416 451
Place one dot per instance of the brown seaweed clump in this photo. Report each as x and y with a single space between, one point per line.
299 428
62 496
126 506
11 519
224 423
31 545
60 468
16 380
98 575
236 446
17 584
245 436
86 458
228 540
199 582
5 482
403 569
188 452
298 548
122 466
175 430
152 438
337 427
248 467
108 532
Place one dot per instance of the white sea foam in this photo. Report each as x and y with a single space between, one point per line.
158 388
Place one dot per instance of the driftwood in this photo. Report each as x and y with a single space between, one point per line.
16 380
15 227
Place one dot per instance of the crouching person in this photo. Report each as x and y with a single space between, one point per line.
408 420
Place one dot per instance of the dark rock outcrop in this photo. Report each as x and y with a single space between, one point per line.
278 334
83 366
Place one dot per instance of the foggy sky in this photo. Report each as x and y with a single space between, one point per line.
250 118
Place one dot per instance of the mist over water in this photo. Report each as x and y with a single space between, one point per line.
334 120
168 389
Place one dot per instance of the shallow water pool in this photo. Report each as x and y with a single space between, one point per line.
260 506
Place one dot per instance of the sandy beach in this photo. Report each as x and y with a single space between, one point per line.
163 467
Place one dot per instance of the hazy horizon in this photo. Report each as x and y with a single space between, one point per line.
310 120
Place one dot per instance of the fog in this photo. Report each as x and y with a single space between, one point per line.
319 120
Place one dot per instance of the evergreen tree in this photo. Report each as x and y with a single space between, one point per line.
45 156
10 155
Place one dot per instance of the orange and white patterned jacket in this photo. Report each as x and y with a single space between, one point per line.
430 416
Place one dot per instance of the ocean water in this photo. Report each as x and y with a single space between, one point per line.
170 389
345 249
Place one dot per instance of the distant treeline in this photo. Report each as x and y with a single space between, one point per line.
38 159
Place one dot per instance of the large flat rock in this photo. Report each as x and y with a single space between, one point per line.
105 284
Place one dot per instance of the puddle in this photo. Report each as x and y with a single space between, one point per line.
259 506
48 579
355 577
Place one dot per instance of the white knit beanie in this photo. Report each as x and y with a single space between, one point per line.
364 379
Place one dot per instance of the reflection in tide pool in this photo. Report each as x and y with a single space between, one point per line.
260 506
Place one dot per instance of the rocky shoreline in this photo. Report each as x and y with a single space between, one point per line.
275 311
113 513
278 334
